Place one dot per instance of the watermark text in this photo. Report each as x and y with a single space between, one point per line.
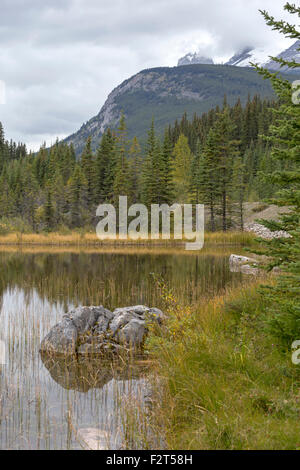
2 92
187 222
2 353
296 352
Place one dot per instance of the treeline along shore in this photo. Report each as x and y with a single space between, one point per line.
218 159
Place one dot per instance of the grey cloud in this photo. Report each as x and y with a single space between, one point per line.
61 58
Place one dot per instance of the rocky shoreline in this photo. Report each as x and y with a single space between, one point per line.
264 232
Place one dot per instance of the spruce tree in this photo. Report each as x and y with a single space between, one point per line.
89 172
209 178
220 151
227 150
122 181
2 147
197 171
239 189
105 167
77 197
135 167
151 174
182 170
284 296
49 213
166 167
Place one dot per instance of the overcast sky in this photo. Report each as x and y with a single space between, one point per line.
59 59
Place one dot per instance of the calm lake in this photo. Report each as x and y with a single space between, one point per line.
53 404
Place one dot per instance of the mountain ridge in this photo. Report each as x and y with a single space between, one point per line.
248 55
166 93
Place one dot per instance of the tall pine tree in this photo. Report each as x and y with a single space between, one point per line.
284 296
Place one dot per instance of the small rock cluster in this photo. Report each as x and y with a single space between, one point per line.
243 264
89 330
264 232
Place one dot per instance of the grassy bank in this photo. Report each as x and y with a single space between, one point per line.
90 239
225 383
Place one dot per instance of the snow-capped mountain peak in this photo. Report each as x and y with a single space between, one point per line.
290 54
248 56
194 58
261 56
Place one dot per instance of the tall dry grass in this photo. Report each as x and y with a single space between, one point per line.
91 240
226 383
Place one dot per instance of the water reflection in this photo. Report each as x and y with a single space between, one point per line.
46 403
115 279
78 373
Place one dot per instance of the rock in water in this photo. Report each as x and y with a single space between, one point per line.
87 330
62 338
133 332
243 264
93 439
240 260
85 318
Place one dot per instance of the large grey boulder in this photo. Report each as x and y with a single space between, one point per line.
133 333
64 337
61 339
85 318
129 324
90 330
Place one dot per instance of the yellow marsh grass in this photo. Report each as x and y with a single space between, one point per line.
211 250
91 239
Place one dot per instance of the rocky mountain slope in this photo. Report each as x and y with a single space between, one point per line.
165 94
292 53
